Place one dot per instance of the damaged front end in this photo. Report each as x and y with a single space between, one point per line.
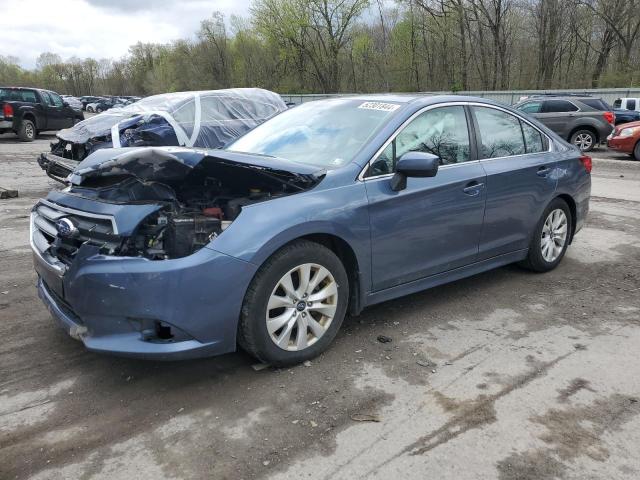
193 197
119 252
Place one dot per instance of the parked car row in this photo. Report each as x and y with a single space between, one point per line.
586 121
94 104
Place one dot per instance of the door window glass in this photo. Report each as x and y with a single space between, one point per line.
441 131
46 98
56 99
617 103
29 96
631 104
557 106
532 139
531 107
500 133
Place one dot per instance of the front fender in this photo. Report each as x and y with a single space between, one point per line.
261 229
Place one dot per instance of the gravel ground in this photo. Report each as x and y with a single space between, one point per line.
507 375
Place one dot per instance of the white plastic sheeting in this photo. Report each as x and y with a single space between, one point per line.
207 119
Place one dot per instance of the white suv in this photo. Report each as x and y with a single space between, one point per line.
627 104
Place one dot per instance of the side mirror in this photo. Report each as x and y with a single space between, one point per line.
414 164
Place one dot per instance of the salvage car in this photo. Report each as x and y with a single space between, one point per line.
327 208
194 119
626 139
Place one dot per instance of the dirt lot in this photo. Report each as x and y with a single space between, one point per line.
507 375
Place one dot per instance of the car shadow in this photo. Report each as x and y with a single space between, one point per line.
13 138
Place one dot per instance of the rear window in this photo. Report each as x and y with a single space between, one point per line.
617 103
596 103
558 106
15 95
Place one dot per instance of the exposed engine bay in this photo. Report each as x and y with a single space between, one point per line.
196 195
184 226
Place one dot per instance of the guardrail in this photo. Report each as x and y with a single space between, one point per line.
505 96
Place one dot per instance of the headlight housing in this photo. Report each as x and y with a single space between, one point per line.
628 132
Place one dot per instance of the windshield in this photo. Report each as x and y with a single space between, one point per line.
326 133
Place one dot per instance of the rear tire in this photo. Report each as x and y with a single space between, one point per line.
550 238
27 131
304 285
584 139
636 152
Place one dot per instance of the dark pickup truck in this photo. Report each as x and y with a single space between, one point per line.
27 111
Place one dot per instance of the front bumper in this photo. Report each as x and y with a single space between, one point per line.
114 304
622 144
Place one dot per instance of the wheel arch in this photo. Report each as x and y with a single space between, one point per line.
573 209
588 127
32 118
348 257
343 250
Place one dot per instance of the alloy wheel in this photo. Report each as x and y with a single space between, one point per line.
29 131
583 141
302 307
554 235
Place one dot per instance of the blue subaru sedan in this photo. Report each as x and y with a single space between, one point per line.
327 208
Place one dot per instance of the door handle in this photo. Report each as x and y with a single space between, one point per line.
543 171
473 189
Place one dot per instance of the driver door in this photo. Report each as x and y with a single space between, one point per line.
56 115
434 225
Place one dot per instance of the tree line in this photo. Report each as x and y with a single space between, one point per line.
309 46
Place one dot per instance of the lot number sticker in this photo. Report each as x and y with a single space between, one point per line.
385 107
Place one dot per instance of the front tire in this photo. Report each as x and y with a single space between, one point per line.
636 152
295 304
27 132
585 140
550 238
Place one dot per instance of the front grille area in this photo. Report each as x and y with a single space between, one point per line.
59 251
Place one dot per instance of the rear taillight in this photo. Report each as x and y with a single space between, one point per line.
7 110
609 117
586 162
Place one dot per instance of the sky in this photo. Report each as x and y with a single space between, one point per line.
100 28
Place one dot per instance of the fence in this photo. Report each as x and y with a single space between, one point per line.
506 96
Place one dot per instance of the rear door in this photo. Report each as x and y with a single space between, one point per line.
434 224
521 179
558 115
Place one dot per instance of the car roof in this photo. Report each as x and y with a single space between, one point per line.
418 99
21 88
561 97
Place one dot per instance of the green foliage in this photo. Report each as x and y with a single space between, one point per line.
305 46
